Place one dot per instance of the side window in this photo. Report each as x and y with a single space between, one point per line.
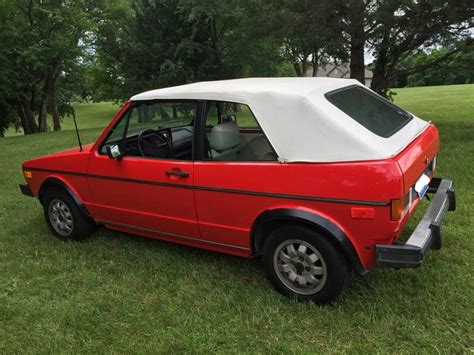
233 134
118 130
156 129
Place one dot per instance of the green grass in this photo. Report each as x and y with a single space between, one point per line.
122 293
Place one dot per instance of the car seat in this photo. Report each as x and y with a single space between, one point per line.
224 140
258 149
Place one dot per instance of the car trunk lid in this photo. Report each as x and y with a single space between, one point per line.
419 157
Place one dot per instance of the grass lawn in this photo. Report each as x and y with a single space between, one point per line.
121 293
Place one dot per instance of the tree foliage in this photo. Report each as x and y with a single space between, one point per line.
42 45
309 33
458 69
402 28
161 43
54 51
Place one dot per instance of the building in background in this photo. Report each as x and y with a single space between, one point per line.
339 71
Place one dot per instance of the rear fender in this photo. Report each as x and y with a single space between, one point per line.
270 218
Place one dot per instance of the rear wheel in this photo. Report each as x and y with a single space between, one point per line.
304 264
64 218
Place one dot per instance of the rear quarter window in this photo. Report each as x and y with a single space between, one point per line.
372 111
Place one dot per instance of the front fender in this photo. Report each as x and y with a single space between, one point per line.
56 182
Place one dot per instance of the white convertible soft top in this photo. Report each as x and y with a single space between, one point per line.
298 120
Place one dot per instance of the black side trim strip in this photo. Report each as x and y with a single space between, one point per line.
114 178
294 197
173 235
216 189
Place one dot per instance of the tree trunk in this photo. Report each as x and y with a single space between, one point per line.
380 84
53 103
357 65
357 34
43 113
304 68
315 61
42 124
164 115
56 119
380 81
55 112
297 68
23 120
26 117
215 40
48 89
143 113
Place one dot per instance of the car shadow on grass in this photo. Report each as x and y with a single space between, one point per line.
230 272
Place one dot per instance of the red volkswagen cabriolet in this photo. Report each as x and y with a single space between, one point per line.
317 176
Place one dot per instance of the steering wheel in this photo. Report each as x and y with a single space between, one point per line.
151 141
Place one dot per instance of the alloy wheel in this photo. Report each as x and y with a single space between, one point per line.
300 266
60 217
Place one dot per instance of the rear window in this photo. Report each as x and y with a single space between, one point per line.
372 111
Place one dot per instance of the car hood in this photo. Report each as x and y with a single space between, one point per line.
73 160
71 151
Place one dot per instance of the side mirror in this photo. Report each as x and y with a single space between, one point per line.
113 151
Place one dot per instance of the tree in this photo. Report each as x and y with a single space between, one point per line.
42 44
161 43
358 26
309 33
403 27
458 69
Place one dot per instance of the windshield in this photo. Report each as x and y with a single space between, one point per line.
372 111
160 115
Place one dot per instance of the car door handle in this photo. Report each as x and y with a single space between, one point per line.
178 173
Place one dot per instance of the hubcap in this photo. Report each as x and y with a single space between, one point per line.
61 218
300 266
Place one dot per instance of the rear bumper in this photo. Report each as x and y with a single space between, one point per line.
25 190
427 234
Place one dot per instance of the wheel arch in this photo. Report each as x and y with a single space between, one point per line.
56 183
271 218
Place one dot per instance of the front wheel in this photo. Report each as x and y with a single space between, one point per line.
304 264
64 218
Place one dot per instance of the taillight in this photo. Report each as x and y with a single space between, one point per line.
400 206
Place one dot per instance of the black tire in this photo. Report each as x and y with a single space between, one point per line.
324 279
78 225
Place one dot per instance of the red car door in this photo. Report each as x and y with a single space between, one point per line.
150 191
234 157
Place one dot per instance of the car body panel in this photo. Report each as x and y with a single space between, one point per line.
69 166
143 195
414 160
252 188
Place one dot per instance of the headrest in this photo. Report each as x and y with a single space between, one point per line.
224 136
